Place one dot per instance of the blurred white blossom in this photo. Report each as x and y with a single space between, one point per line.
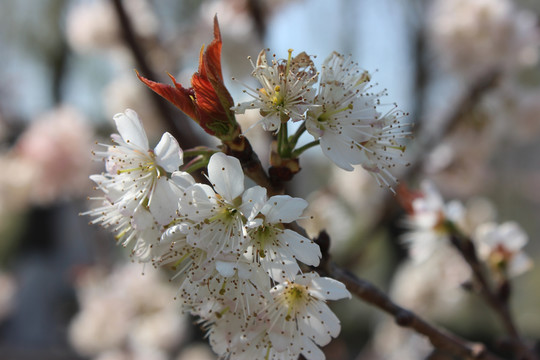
501 247
472 37
93 25
126 310
54 149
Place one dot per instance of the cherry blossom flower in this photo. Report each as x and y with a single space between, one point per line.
217 214
299 317
278 249
286 89
140 174
501 246
427 222
348 125
138 186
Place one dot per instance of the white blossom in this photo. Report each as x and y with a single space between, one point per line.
348 124
427 222
216 214
278 249
286 89
299 318
141 175
501 246
124 310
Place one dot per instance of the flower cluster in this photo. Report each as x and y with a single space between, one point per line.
431 223
342 115
125 316
236 260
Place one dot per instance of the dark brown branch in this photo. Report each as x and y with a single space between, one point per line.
257 12
498 303
178 123
439 338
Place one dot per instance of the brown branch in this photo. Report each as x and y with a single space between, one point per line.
498 303
439 338
257 12
369 293
178 123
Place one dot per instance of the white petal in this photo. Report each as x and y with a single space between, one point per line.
168 153
329 320
254 223
198 203
310 323
303 249
226 268
328 289
279 342
131 129
182 179
163 201
226 175
519 264
142 219
279 268
271 122
312 351
338 151
283 209
244 271
512 236
253 200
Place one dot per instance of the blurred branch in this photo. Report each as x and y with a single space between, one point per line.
177 124
498 301
257 13
439 338
468 101
369 293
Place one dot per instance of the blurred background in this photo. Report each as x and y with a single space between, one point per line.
467 71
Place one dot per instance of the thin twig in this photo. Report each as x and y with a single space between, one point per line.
439 338
500 305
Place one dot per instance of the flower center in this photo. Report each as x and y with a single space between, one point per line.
294 296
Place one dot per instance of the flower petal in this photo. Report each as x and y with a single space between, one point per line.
519 264
226 268
283 209
161 203
182 179
312 351
131 129
303 249
168 153
253 200
142 219
226 175
339 151
328 289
